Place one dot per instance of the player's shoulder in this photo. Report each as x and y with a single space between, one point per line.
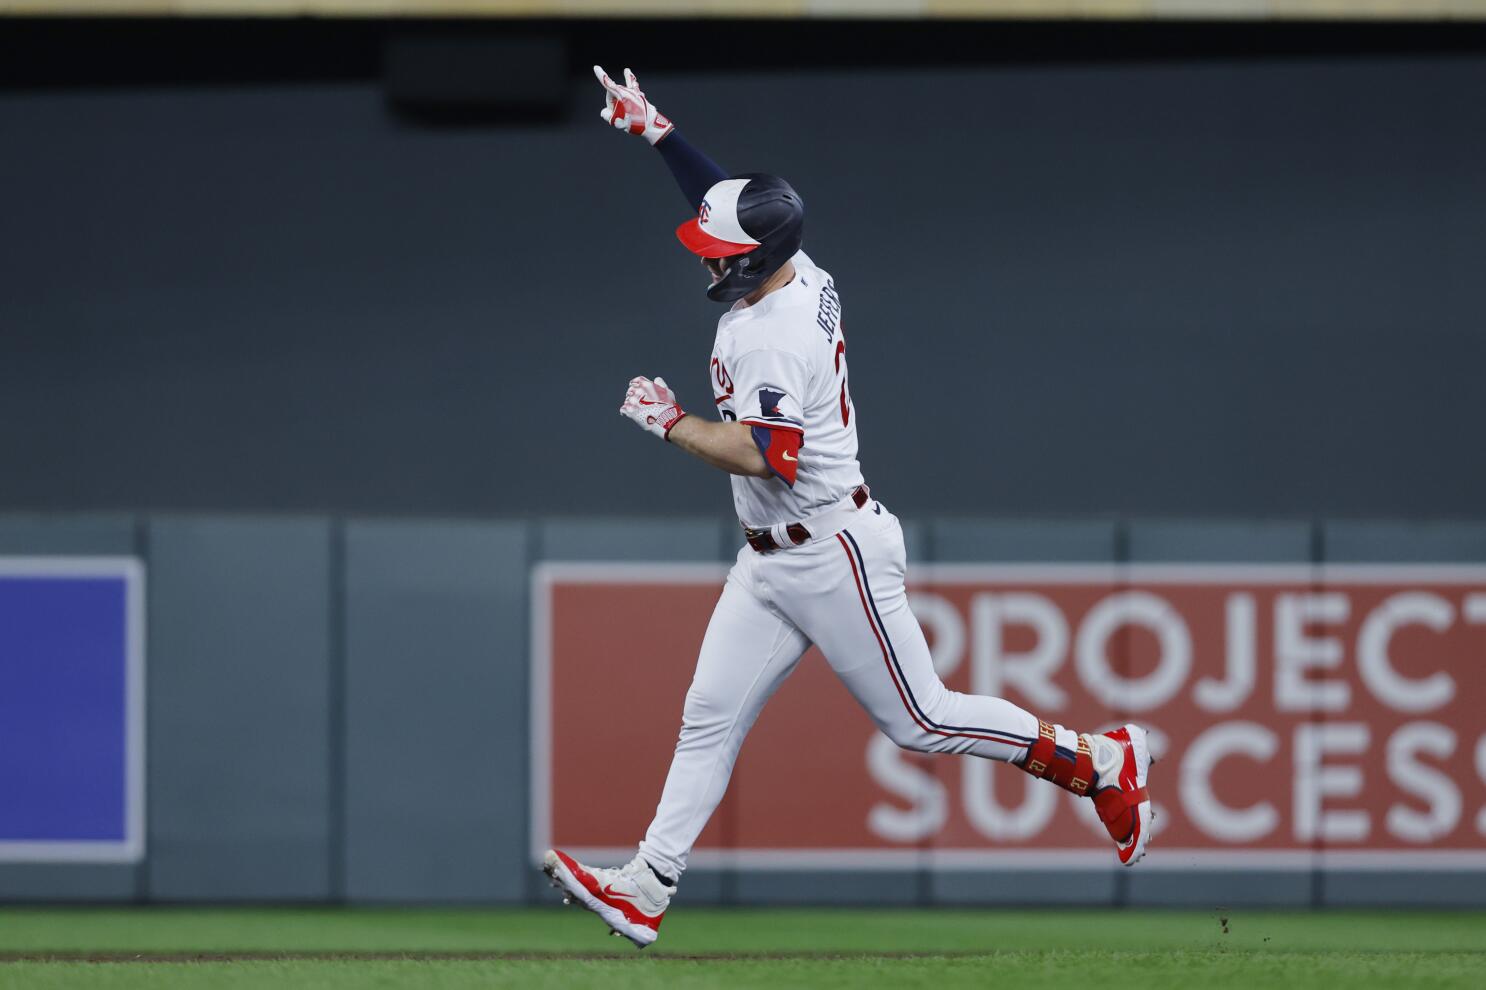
793 318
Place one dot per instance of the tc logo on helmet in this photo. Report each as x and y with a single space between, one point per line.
704 212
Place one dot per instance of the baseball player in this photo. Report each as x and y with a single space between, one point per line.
823 561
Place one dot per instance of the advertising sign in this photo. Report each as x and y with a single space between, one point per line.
71 709
1303 716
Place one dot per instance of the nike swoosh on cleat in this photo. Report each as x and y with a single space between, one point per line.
609 891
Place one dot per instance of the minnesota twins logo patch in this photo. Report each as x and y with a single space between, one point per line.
768 403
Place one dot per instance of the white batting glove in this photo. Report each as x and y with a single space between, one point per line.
627 109
652 405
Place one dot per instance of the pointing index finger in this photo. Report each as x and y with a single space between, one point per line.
603 77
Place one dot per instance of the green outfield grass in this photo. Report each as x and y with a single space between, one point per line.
705 947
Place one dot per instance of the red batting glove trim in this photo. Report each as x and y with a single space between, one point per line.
669 420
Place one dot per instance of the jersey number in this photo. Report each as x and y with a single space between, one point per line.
841 370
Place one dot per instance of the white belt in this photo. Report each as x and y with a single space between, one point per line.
821 526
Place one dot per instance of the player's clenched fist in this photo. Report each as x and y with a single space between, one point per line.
627 109
652 405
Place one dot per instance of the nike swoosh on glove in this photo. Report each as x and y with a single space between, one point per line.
652 405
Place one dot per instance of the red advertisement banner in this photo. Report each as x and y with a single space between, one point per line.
1303 716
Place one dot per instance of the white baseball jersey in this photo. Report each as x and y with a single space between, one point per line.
780 364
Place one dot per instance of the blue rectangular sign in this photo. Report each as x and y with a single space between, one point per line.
71 709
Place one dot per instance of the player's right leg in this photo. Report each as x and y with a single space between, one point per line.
748 651
847 594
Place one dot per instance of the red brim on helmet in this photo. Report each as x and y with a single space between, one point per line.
704 245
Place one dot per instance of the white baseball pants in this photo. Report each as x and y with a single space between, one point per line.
845 594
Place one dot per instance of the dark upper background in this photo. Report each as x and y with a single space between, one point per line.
1192 269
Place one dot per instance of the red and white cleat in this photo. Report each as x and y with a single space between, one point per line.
1122 760
631 899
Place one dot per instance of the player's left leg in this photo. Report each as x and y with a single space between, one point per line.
847 595
747 653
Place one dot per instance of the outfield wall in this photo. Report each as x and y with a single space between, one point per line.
338 709
1218 288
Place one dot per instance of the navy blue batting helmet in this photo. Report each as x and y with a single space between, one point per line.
757 221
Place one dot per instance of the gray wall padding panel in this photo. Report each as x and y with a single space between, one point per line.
1369 888
240 677
886 888
1089 888
436 711
1404 542
1018 540
76 535
685 538
1217 888
69 882
80 535
915 541
1220 541
703 886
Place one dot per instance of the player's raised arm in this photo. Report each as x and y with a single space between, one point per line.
627 109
